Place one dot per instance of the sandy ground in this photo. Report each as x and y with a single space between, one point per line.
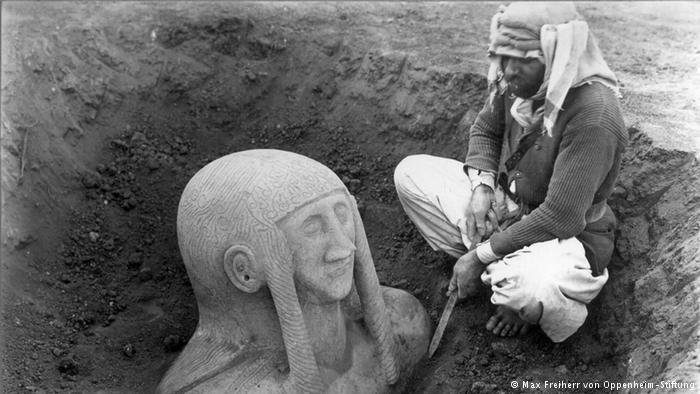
109 108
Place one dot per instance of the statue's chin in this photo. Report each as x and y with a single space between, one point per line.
333 290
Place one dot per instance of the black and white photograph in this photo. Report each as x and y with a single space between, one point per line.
349 197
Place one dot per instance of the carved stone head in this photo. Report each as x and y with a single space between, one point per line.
262 220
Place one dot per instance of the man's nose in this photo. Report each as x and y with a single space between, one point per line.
510 68
340 246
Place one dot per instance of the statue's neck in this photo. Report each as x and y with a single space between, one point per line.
328 334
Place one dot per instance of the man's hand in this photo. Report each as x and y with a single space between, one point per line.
477 213
465 275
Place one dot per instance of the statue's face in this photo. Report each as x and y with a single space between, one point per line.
321 235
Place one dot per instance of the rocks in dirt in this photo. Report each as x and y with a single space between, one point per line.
88 251
264 47
251 76
483 387
110 319
68 365
91 180
82 320
25 241
173 343
401 284
619 191
152 164
145 274
135 153
119 144
636 241
353 184
129 350
483 361
326 89
135 260
361 207
595 352
506 348
434 315
129 204
561 370
138 139
106 170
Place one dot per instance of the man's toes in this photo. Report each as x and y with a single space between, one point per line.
506 325
499 327
514 330
496 327
506 330
491 324
517 329
524 329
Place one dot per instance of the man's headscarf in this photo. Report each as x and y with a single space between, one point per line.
554 33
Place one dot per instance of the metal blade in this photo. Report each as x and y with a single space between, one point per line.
446 313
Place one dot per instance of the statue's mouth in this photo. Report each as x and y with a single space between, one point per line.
339 267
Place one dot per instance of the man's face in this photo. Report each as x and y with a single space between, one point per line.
321 235
524 76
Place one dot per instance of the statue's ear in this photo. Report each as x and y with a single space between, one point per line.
242 269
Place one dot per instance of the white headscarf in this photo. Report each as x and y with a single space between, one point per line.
555 34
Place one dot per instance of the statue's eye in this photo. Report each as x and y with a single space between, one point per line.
312 225
342 213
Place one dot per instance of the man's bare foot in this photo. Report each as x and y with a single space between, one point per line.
507 323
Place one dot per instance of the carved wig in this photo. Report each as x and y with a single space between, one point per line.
237 200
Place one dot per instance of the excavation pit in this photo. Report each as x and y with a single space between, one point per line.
109 109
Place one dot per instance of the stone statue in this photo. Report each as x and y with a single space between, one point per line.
288 297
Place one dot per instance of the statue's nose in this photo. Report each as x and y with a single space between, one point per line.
340 246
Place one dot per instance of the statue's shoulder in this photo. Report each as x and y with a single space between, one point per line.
410 323
254 371
261 381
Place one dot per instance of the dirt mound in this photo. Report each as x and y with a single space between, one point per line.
109 109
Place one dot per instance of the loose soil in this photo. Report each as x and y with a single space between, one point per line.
109 108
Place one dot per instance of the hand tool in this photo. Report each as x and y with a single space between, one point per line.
446 313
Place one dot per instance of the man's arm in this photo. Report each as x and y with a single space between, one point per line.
486 137
586 155
481 165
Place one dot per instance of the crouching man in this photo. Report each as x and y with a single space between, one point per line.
543 156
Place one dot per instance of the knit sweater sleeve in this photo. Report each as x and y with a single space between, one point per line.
586 155
486 136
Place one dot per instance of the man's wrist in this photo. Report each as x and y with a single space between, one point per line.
485 253
483 185
480 177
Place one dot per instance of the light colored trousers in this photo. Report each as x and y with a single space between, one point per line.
435 193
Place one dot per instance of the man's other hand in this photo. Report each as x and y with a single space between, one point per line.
465 275
478 225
